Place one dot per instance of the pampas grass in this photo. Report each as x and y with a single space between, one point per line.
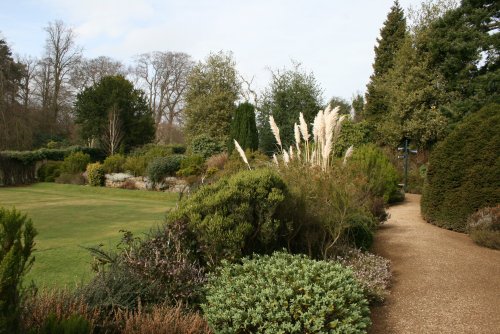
276 131
348 154
326 129
241 152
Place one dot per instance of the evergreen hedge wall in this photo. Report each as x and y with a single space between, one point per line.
464 171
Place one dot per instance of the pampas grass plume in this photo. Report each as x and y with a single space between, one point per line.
241 152
348 154
275 130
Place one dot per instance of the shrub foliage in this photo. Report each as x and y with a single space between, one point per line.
236 216
285 293
484 227
464 171
17 236
96 175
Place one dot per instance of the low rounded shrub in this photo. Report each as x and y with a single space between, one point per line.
96 175
236 216
49 171
372 272
162 167
114 164
136 165
192 165
74 163
463 174
484 227
206 146
285 293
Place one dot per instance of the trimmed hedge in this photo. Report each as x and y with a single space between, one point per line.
19 167
285 293
464 171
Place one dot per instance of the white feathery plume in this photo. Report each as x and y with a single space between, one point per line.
303 127
275 159
275 130
286 157
348 154
291 152
352 114
241 152
296 132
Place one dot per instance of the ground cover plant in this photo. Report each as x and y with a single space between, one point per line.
68 216
285 293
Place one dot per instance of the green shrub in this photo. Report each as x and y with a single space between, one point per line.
114 164
75 324
285 293
370 162
66 178
463 173
484 227
236 216
17 236
372 272
96 175
192 165
329 210
49 171
136 165
206 146
162 167
355 134
75 163
177 148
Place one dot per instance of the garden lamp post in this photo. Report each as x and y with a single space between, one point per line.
406 153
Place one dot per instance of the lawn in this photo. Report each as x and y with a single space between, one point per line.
70 217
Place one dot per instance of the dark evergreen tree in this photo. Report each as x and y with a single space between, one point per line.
17 236
244 128
94 104
392 36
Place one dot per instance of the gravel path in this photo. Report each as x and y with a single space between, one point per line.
442 282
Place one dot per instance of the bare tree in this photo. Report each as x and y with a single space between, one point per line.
113 135
90 71
26 90
163 75
62 55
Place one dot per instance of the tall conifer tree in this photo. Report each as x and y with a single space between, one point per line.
392 36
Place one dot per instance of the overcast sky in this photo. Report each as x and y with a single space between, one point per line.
332 38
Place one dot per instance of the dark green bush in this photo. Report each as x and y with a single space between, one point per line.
114 164
463 173
17 236
370 162
192 165
177 148
236 216
285 293
355 134
96 175
139 159
49 171
75 163
162 167
75 324
483 227
206 146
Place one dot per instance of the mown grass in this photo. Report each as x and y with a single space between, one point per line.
70 217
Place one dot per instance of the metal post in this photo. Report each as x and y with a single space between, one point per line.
406 165
406 156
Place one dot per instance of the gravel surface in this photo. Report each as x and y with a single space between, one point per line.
442 281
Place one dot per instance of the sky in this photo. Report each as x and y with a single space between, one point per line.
333 39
